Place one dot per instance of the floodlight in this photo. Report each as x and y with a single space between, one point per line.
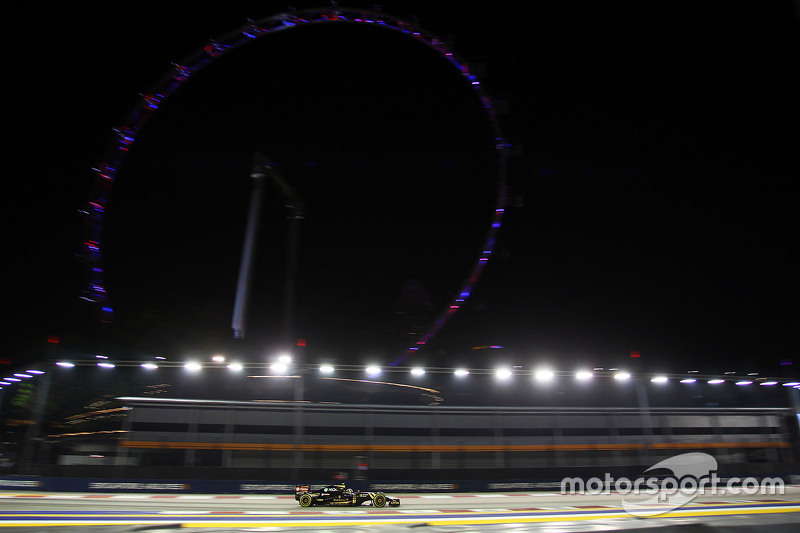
502 373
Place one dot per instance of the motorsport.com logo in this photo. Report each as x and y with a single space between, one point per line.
692 474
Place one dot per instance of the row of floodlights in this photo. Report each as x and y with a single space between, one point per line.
18 377
741 382
282 366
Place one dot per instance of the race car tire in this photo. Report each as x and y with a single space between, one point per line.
306 500
379 500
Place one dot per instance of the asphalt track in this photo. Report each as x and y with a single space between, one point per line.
435 513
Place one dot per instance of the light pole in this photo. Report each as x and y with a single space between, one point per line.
243 285
264 168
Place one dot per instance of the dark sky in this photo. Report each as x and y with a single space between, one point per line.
652 184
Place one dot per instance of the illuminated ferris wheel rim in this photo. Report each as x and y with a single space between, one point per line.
126 134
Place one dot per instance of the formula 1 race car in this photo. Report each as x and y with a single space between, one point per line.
340 495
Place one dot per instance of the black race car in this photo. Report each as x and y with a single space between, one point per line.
340 495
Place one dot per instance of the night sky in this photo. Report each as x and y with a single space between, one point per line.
652 187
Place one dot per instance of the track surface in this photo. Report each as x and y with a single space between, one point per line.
517 512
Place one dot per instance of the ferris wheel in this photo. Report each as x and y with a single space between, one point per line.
126 135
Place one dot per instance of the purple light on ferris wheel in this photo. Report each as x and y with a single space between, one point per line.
180 72
215 49
105 172
152 101
126 137
253 31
